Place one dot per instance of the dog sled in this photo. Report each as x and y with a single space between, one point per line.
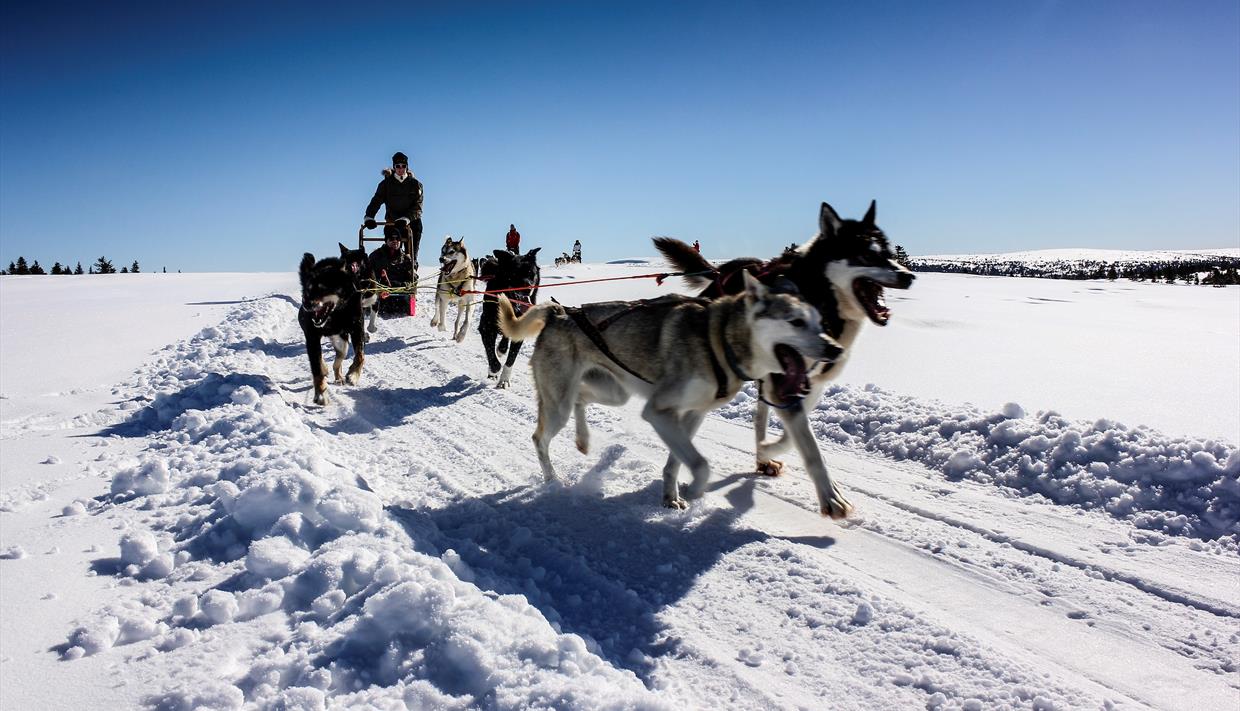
401 275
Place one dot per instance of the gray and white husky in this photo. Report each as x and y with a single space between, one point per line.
842 271
456 277
686 356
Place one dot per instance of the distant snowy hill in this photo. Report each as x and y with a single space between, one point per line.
1164 265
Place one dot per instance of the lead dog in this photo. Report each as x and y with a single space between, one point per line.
685 356
456 276
842 271
331 306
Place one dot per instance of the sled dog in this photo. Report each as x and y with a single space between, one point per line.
364 276
331 306
521 274
456 276
685 356
842 271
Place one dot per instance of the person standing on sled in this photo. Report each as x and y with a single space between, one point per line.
512 241
577 251
401 194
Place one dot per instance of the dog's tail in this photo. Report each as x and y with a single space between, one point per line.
686 259
526 326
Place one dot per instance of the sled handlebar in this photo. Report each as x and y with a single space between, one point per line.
361 231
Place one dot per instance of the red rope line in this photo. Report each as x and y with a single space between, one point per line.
658 277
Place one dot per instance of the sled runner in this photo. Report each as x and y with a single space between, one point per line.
401 275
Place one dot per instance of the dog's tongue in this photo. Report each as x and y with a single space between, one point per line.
792 384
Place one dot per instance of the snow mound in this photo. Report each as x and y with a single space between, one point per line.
1179 486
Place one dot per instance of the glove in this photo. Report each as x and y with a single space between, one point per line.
370 223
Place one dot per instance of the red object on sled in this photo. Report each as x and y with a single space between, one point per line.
413 304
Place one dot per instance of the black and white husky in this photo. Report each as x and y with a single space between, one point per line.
456 278
842 271
330 308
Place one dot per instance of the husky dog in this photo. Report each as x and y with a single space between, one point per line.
331 306
519 273
563 259
842 271
685 356
456 276
359 266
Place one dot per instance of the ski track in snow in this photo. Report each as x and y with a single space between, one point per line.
398 546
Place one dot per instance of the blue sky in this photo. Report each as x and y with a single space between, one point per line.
234 136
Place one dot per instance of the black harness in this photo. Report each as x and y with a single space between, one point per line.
595 333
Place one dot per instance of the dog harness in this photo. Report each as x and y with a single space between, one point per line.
595 334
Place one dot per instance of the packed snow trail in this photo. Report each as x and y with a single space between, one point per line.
939 593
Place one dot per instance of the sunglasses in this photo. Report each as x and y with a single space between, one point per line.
399 165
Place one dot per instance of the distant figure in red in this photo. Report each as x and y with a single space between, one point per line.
697 247
513 240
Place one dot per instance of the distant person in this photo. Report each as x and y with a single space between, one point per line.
697 247
512 241
401 194
577 250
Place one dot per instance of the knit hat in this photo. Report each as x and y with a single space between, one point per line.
399 157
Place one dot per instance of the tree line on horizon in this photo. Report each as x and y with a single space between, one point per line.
102 265
1217 271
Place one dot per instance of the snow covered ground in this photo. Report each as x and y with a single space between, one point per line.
1045 472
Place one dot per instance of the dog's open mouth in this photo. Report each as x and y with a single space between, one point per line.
792 384
320 312
870 294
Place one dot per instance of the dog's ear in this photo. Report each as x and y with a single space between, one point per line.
344 251
533 253
307 263
754 289
502 255
447 239
828 221
868 220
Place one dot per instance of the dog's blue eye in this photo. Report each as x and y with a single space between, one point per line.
797 323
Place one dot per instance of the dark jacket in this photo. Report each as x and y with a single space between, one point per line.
392 268
402 198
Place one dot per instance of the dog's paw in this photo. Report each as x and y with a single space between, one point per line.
583 445
460 337
320 398
836 506
372 328
773 467
353 377
493 375
501 384
677 503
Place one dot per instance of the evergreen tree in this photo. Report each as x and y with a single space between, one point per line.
901 256
56 269
79 268
133 268
124 270
103 266
12 268
36 269
22 267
